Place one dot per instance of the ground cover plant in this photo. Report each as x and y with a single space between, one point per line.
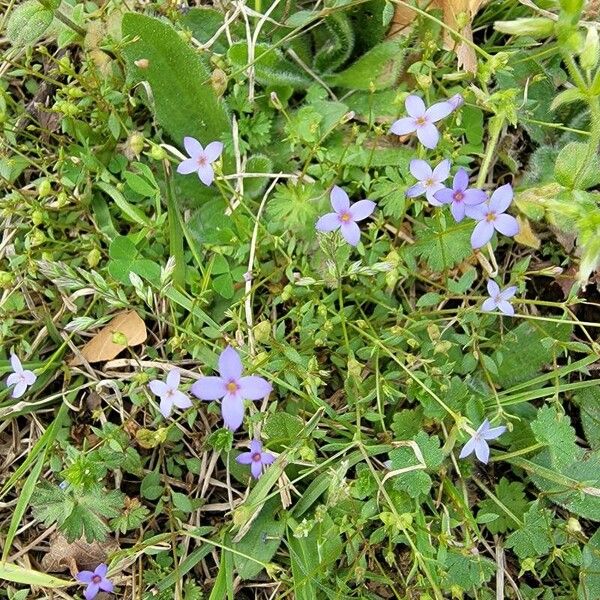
300 299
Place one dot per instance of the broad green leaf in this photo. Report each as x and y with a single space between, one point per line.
553 428
589 575
259 163
589 408
534 539
130 212
509 504
575 169
27 23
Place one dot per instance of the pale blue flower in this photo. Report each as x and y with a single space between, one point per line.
479 441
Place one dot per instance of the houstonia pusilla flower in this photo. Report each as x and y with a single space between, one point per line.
479 441
96 581
456 101
345 216
499 299
460 195
257 458
20 378
491 216
232 388
169 394
429 180
421 120
200 160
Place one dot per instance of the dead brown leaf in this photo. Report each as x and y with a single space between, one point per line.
77 556
454 12
526 235
102 347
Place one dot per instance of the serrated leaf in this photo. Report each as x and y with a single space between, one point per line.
553 429
511 497
589 575
535 538
589 408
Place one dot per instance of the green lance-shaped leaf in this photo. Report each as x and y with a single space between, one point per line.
27 23
338 44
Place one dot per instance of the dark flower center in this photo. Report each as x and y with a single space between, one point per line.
96 579
232 387
202 161
491 216
256 457
458 196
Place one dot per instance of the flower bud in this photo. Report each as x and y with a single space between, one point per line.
573 525
136 143
37 217
536 27
157 153
591 49
44 188
93 257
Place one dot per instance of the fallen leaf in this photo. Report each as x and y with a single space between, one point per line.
102 347
78 556
526 235
454 11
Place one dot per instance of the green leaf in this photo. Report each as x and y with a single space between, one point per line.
511 505
27 23
553 429
339 45
534 539
125 258
376 69
151 487
223 585
467 571
589 408
259 163
134 515
130 212
574 169
589 574
282 429
18 574
260 543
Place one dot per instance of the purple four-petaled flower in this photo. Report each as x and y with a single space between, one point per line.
20 378
169 393
460 196
257 458
491 216
232 388
96 580
422 119
478 442
499 299
345 216
429 180
200 160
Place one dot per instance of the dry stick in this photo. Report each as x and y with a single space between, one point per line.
228 20
248 290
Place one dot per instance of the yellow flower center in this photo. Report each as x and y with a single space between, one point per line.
345 217
232 387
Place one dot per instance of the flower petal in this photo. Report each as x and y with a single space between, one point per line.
192 146
461 181
482 234
415 190
420 169
209 388
232 410
15 363
187 166
254 388
157 387
256 446
508 293
245 458
501 198
267 458
101 569
439 111
488 305
430 195
403 126
351 233
106 586
458 211
444 196
339 199
415 106
230 364
181 400
13 378
506 307
256 469
362 209
328 222
165 406
213 151
493 433
206 174
441 171
428 135
91 591
493 288
19 389
507 225
467 448
85 576
173 378
482 451
30 377
474 197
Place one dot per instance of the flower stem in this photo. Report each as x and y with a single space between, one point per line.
69 23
